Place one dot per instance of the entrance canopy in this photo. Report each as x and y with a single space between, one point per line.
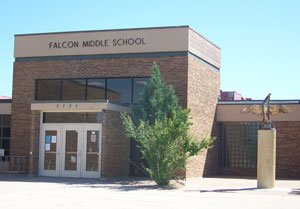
69 106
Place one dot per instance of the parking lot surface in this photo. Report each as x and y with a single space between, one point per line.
20 192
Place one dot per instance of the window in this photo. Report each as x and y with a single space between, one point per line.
238 144
138 87
48 89
96 89
73 89
5 133
119 90
72 117
230 94
6 120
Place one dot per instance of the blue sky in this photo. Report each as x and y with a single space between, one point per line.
259 39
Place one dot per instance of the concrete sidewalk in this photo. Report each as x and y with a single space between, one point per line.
43 192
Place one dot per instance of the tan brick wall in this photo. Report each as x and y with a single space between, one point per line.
115 146
23 136
202 97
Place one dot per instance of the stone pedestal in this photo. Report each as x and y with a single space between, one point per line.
266 158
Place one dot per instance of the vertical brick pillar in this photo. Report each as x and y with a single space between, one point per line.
115 146
34 144
202 98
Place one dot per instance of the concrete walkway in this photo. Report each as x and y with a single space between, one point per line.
20 192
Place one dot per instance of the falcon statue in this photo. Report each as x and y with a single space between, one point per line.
266 110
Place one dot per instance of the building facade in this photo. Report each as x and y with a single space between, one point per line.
69 90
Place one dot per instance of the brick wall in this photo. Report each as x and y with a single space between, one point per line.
24 134
202 97
115 146
287 153
34 143
287 149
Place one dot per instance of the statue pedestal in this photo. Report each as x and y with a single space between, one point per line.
266 158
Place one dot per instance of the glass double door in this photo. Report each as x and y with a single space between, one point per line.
70 150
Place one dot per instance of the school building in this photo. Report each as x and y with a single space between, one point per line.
69 89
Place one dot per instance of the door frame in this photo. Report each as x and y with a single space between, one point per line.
91 127
41 170
60 154
71 173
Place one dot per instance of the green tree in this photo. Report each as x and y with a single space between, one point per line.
157 101
161 129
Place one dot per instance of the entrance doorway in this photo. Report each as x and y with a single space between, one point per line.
70 150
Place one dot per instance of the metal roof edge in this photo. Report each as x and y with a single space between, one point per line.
249 102
104 30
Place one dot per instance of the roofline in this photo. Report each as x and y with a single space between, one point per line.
250 102
105 30
203 37
123 29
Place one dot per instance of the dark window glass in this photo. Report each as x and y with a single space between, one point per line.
72 117
92 117
6 132
6 120
73 89
138 87
48 89
1 120
119 90
6 144
96 89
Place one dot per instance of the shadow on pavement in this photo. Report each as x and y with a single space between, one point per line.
121 184
225 190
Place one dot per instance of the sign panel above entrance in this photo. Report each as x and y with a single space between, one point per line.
144 40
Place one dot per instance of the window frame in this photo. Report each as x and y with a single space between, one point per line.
86 85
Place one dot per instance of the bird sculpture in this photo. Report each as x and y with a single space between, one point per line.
266 110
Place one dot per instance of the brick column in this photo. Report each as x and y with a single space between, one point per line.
34 144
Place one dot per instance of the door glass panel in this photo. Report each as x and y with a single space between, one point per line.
50 150
92 152
71 150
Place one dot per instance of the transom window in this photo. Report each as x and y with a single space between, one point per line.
119 90
72 117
